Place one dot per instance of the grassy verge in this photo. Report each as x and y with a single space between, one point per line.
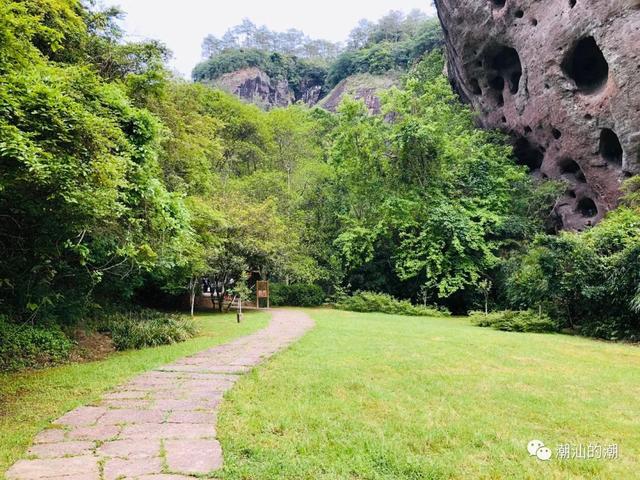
30 401
370 396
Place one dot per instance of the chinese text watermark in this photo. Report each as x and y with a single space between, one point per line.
568 451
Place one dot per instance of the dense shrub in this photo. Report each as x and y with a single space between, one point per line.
296 295
588 281
383 303
26 346
147 328
510 321
383 54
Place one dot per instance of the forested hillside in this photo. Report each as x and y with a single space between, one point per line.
309 68
122 186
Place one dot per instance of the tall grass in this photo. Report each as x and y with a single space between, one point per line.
148 328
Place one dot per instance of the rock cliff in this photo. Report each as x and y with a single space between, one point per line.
364 86
255 86
560 75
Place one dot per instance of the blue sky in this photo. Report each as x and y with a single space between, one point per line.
183 24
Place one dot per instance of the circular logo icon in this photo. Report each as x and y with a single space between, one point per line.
543 453
533 447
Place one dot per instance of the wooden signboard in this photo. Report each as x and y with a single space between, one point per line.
262 291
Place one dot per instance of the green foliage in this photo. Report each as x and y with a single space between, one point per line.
587 281
81 198
296 295
509 321
26 346
296 72
396 42
387 48
383 303
146 328
117 180
429 69
427 198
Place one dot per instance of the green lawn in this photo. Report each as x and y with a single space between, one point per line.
30 401
368 396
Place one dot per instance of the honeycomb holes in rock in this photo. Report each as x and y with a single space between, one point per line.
496 85
475 86
610 148
586 66
528 154
570 167
503 68
506 62
587 208
498 3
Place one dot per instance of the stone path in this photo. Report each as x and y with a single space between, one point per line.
162 424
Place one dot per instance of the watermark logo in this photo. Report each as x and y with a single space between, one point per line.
590 451
566 451
537 449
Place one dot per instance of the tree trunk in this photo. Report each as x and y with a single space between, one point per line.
221 299
192 293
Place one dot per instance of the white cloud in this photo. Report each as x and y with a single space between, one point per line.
182 25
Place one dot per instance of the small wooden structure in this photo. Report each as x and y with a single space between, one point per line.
262 291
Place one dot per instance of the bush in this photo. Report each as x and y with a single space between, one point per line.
147 328
383 303
26 346
586 281
296 295
509 321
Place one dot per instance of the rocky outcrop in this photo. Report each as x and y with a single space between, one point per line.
561 76
255 86
363 87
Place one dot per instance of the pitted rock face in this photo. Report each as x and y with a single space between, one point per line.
255 86
562 77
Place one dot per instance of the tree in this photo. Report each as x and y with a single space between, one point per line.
80 197
359 36
427 194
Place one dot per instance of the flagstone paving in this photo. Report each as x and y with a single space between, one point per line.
160 425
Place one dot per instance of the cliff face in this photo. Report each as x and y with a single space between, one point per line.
365 87
561 76
255 86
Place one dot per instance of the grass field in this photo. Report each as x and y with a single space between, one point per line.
30 401
368 396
